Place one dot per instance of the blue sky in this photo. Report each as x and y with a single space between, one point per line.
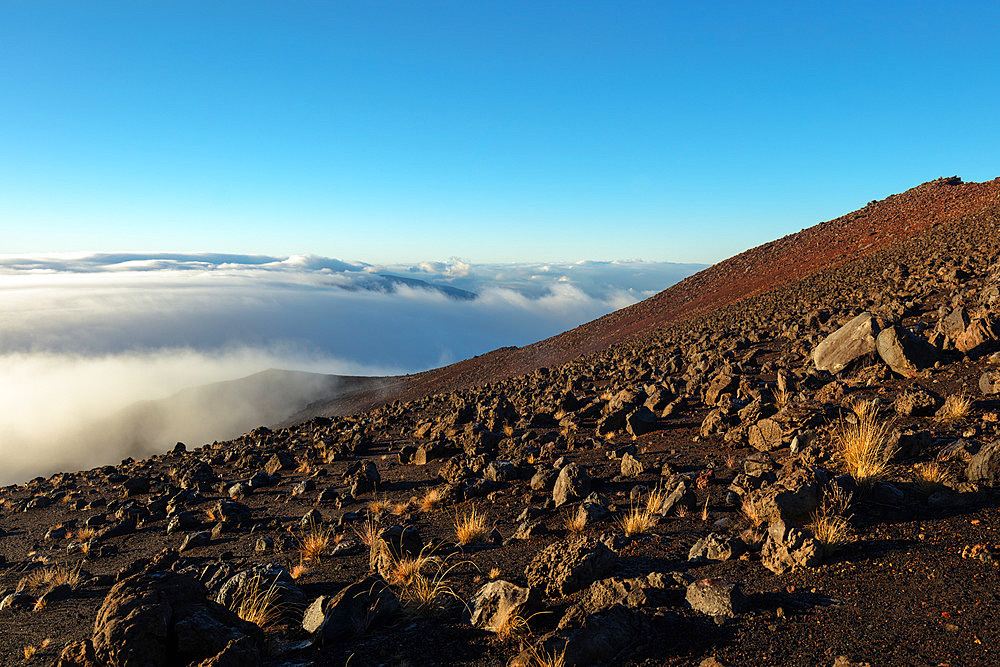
498 132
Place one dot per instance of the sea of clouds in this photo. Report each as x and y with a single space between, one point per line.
84 335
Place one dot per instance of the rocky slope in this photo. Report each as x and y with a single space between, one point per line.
670 484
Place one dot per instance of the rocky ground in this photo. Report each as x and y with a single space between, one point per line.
687 496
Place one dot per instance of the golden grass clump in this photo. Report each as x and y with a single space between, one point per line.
46 578
575 522
405 570
956 408
753 510
782 398
368 532
299 570
83 535
930 477
655 500
30 651
379 506
428 594
256 603
539 657
431 500
830 525
639 520
304 467
314 542
471 528
494 572
864 444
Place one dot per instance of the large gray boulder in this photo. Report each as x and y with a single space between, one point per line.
165 619
788 547
989 383
262 578
352 612
904 352
572 484
566 567
592 640
717 597
851 341
493 605
984 467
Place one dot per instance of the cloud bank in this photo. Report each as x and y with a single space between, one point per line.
84 335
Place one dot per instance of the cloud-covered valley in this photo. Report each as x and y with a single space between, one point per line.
85 335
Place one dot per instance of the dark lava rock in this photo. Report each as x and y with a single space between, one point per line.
566 567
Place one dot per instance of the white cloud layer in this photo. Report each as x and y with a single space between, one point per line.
84 335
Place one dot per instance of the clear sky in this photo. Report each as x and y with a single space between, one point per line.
503 131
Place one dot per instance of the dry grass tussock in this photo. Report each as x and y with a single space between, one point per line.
539 657
314 542
256 603
46 578
782 398
82 535
830 522
368 531
655 500
753 510
30 651
407 568
930 477
471 528
639 520
575 522
379 506
956 408
431 500
864 443
425 588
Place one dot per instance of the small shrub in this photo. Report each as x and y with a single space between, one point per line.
431 500
46 578
956 408
471 528
864 445
257 604
930 477
753 510
575 522
368 532
314 542
639 520
830 525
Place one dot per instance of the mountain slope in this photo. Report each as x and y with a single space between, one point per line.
824 246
